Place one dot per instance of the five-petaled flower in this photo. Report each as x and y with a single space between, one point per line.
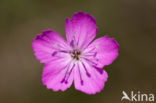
79 59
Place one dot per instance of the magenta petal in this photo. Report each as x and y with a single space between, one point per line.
87 79
81 29
106 50
47 45
58 75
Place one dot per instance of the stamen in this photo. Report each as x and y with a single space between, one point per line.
72 44
63 51
91 62
87 73
66 72
81 81
100 70
56 52
68 75
62 80
95 54
66 82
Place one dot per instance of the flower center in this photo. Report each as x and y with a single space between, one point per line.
76 55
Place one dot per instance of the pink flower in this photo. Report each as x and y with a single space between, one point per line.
78 59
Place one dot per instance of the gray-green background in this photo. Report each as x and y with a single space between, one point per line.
131 22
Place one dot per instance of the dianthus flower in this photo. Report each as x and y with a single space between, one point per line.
79 59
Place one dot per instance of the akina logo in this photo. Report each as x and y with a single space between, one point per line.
137 96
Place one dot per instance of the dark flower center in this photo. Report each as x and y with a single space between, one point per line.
76 55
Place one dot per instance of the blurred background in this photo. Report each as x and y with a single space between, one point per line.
131 22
